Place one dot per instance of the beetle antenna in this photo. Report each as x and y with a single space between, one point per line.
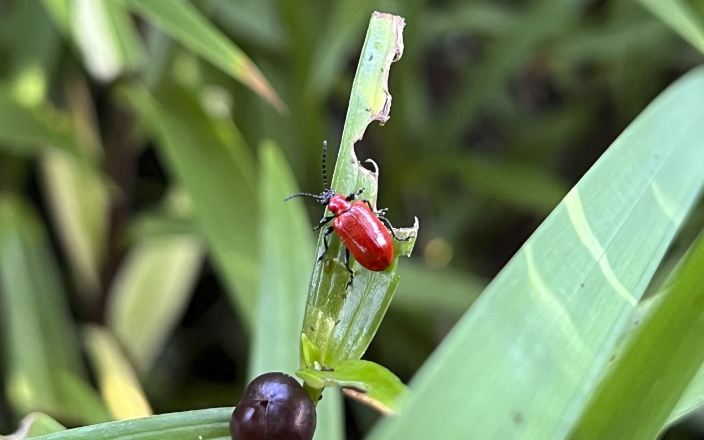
315 196
325 173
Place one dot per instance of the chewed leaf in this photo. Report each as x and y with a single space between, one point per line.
365 381
342 322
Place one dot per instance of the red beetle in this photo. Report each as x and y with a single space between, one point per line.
358 226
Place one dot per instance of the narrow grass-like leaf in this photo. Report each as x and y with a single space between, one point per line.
371 383
150 293
287 257
78 199
34 425
117 380
44 365
540 334
216 171
343 322
79 203
183 22
692 398
682 17
207 424
656 365
106 37
253 20
28 130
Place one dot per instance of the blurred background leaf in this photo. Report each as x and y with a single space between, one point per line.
117 381
286 246
44 371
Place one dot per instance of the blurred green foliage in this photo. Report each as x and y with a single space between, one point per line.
129 173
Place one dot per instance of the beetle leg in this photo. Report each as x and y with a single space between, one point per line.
323 221
327 232
381 212
353 196
391 228
347 266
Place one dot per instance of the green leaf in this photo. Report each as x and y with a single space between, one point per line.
28 129
286 250
207 424
692 398
34 425
209 159
642 389
342 322
78 198
43 359
681 16
118 382
105 35
542 331
150 293
286 260
371 383
79 203
183 22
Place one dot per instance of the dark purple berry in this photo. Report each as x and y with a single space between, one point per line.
273 407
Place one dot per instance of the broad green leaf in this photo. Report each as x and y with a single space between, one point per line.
657 363
44 364
117 380
150 293
368 382
287 256
212 164
342 322
207 424
681 16
184 23
105 35
542 331
34 425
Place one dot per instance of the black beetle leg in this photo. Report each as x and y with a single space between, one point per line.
391 228
353 196
327 232
379 213
323 221
347 265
